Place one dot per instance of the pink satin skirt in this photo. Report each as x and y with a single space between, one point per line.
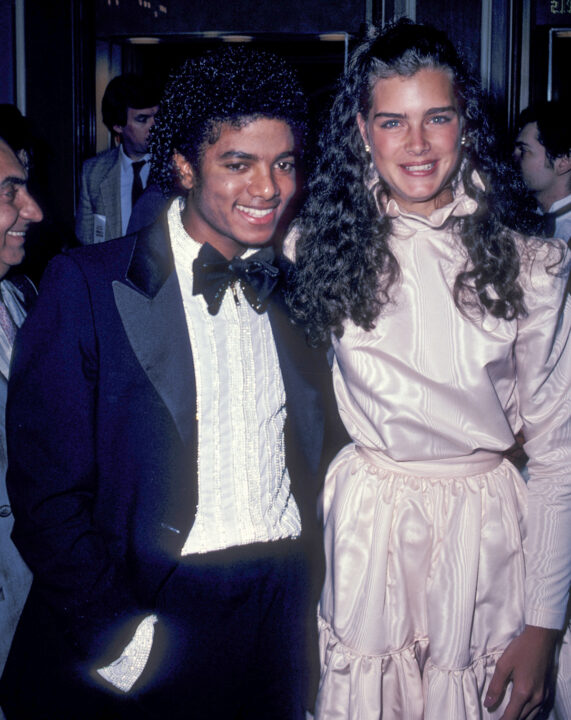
424 586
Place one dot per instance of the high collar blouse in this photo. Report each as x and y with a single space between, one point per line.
431 383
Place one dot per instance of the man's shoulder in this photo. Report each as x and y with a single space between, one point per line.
113 257
107 260
102 162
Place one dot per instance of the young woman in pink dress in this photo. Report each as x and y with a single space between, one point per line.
447 576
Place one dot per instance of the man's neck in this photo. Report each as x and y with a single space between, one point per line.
133 156
547 197
560 204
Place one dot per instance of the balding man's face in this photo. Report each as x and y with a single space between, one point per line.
17 209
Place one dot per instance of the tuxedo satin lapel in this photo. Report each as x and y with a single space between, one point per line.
156 329
110 194
152 261
301 375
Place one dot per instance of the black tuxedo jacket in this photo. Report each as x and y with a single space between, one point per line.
102 433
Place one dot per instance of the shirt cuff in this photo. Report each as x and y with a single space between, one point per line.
124 672
542 617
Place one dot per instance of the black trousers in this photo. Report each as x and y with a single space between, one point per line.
235 633
232 641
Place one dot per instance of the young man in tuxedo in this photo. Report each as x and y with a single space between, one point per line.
169 428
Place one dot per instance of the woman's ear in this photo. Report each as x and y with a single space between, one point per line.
184 170
362 124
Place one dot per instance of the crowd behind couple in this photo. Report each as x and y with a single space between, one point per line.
264 479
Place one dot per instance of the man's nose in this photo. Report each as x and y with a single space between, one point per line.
263 184
29 208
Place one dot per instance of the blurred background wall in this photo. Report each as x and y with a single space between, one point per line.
57 58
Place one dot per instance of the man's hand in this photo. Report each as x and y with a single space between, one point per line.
527 662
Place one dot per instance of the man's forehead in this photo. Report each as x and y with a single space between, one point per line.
11 169
254 129
143 111
529 132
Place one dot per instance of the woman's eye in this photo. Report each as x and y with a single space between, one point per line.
439 119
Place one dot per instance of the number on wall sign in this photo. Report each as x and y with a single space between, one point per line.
559 7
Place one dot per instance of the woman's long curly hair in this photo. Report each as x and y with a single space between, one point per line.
233 86
345 267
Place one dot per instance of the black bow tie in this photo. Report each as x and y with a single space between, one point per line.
548 220
213 274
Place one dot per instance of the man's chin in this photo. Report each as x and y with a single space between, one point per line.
13 258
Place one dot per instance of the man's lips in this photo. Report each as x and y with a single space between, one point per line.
258 215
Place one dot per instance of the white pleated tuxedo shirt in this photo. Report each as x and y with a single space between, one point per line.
244 491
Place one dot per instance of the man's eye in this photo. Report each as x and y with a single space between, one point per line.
286 166
8 194
236 167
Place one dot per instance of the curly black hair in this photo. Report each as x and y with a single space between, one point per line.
345 267
233 86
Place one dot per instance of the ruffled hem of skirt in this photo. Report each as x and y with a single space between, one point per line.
400 685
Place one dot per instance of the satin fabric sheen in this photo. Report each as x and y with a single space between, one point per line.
412 616
425 530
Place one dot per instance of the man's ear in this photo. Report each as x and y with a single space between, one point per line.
562 164
118 129
184 170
